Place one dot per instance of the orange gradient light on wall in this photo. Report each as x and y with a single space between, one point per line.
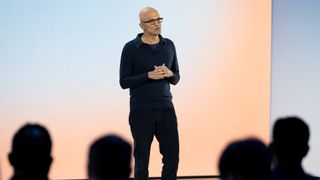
224 92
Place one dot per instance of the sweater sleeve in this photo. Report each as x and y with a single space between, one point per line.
127 79
175 69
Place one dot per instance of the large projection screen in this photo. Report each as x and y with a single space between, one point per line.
59 66
295 68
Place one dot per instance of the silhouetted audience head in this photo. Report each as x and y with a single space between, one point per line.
31 153
290 139
109 158
248 159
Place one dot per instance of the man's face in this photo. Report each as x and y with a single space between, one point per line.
151 22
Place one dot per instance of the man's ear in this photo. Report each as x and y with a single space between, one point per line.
305 151
11 159
50 160
141 26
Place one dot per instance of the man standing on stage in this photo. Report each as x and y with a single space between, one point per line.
148 66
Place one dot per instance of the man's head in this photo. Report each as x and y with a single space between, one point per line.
290 140
248 159
109 158
31 151
150 21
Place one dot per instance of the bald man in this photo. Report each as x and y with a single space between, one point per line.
148 66
30 155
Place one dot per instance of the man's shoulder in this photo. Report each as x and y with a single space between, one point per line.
167 40
278 174
136 42
131 43
168 43
311 177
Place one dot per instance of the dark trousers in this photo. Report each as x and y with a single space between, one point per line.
161 123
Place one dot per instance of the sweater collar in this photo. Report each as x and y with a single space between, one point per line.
138 42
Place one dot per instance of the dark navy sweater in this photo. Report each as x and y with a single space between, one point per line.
137 60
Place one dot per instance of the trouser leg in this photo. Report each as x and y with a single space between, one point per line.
167 134
142 129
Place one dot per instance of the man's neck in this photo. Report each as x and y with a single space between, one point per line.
150 39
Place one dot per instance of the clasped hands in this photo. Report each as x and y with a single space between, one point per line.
160 72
